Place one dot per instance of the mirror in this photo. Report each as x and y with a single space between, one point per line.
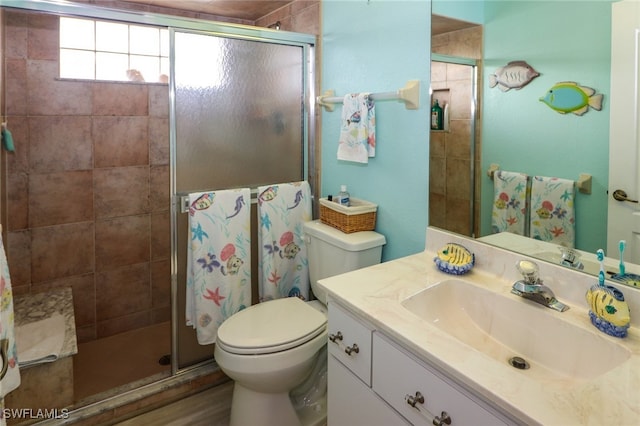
563 41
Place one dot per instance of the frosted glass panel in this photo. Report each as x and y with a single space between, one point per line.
111 66
239 112
77 64
144 40
77 33
111 37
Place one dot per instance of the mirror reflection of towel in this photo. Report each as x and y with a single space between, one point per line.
510 202
553 210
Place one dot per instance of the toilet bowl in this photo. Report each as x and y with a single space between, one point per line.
271 349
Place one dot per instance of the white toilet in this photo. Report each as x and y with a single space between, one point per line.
271 348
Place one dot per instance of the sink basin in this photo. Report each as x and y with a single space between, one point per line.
501 327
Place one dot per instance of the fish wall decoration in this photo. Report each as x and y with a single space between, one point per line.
569 97
608 310
514 75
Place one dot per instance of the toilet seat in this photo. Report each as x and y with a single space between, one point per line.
269 327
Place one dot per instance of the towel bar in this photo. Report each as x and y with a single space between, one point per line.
409 94
583 183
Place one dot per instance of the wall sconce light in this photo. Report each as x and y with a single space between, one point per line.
275 26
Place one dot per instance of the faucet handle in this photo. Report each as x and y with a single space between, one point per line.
568 254
529 271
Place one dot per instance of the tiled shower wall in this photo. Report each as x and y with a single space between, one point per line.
450 188
88 185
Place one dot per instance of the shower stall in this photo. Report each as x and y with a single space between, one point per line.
239 116
101 169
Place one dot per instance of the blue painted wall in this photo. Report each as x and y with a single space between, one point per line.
563 40
376 46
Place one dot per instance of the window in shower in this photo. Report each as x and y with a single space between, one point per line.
102 50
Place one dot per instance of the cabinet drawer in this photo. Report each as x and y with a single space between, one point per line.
397 375
351 402
350 342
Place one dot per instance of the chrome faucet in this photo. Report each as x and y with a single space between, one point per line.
570 258
531 287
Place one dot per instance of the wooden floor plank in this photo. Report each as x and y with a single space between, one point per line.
207 408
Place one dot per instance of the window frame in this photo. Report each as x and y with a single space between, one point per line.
88 47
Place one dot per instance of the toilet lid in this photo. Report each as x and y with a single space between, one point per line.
269 327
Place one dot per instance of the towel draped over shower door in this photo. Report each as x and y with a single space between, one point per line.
283 263
218 259
10 377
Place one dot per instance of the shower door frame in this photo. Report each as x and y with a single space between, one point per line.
473 64
308 150
306 41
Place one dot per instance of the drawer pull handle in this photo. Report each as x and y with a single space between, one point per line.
418 398
352 348
413 400
334 337
442 419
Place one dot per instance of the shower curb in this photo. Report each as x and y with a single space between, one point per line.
140 400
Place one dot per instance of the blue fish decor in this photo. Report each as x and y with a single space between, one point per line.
514 75
569 97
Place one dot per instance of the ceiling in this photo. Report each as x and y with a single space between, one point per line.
253 10
240 9
442 24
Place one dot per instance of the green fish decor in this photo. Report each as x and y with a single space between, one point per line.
569 97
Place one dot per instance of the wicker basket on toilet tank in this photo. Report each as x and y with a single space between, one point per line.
359 216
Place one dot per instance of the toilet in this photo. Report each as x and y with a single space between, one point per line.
272 350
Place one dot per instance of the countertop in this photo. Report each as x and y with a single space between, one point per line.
375 294
35 307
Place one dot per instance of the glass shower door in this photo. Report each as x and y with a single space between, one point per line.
238 109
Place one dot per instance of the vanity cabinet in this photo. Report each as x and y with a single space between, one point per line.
350 400
350 342
389 386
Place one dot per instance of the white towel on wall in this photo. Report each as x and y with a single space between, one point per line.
11 380
218 259
283 263
510 190
553 210
358 129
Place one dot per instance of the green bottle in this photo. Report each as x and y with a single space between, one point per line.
436 117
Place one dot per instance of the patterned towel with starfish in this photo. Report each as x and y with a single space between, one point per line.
218 259
282 254
553 210
509 212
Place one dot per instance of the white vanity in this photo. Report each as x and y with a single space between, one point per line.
389 364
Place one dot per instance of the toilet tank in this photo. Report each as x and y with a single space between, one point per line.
332 252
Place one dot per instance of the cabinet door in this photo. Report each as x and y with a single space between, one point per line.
351 403
350 342
398 376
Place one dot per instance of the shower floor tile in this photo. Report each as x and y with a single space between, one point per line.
118 360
